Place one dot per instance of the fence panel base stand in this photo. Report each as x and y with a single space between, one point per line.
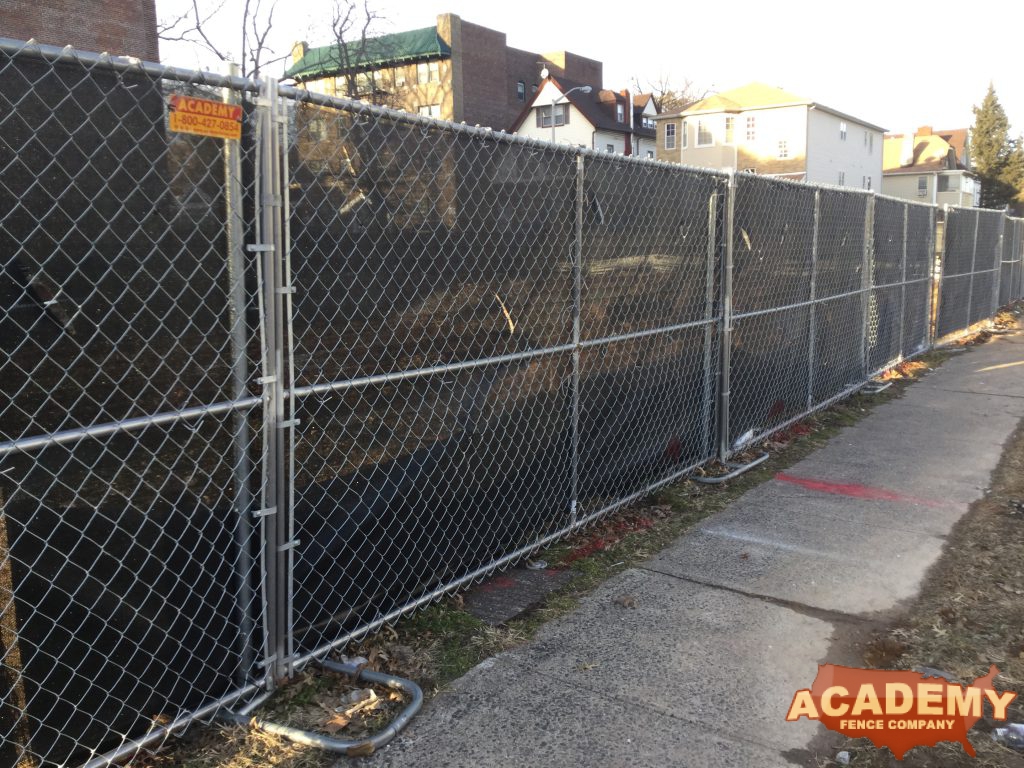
356 748
737 470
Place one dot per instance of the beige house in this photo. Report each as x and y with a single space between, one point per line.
762 129
930 166
454 70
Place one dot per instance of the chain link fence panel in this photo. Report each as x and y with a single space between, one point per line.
495 340
128 584
971 268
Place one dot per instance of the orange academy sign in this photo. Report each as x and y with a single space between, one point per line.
205 117
898 710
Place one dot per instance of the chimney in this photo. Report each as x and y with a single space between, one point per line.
907 151
924 130
299 49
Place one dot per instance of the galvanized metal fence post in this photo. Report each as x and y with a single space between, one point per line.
812 320
242 434
903 283
867 280
577 302
998 276
275 495
938 270
726 356
709 328
974 266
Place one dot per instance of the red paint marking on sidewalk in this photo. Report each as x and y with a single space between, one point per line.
855 490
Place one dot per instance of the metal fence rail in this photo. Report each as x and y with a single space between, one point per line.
262 396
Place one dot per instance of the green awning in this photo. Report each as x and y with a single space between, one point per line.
386 50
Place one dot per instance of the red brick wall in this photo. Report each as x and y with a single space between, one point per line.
486 84
120 27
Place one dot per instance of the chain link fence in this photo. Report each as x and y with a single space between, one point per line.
1010 261
263 396
972 252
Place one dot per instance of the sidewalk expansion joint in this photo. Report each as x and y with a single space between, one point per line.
823 614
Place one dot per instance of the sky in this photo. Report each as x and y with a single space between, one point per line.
897 64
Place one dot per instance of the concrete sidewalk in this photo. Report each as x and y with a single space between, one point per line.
735 617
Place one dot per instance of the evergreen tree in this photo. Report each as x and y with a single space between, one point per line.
991 150
1013 175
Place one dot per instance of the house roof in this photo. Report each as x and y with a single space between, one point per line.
759 96
397 48
931 153
598 106
750 96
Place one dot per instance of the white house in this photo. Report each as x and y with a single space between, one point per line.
763 129
591 117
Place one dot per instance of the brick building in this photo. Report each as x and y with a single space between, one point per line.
119 27
455 70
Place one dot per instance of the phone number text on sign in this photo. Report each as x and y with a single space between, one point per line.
205 117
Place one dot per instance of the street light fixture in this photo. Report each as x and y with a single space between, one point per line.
555 100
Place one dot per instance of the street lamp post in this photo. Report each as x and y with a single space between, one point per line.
556 99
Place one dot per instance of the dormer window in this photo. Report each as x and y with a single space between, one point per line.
620 113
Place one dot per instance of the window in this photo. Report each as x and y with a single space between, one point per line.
431 110
751 129
869 182
922 186
704 137
620 113
842 178
686 134
609 147
729 123
521 90
783 149
544 115
865 138
400 78
750 170
650 154
871 143
865 182
428 72
842 131
949 184
364 83
533 88
648 122
670 135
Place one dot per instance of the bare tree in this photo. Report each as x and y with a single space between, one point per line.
255 23
671 95
351 23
